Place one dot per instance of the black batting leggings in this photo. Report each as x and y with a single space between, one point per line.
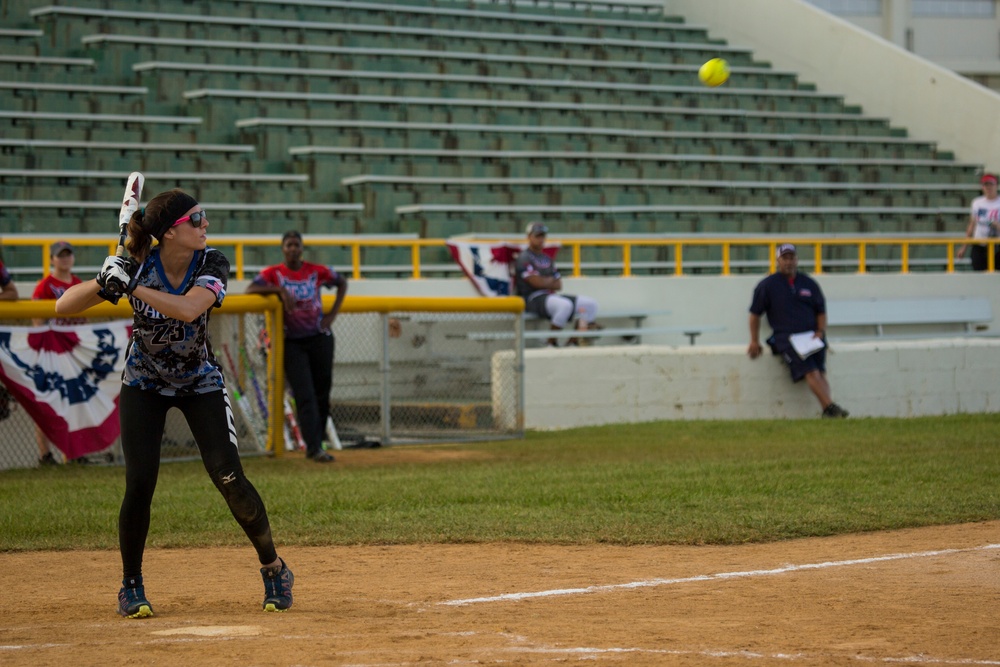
142 415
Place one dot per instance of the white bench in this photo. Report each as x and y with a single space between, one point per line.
632 335
910 317
536 328
638 317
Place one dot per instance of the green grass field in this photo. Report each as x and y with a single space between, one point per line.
658 483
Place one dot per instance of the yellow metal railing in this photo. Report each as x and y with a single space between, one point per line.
812 249
270 306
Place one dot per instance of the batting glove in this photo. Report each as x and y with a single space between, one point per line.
114 279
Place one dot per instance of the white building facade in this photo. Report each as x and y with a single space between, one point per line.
961 35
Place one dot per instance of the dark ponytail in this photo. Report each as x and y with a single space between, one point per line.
153 221
139 241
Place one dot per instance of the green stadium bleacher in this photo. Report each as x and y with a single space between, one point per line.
563 104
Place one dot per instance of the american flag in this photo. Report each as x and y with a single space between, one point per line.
488 265
68 379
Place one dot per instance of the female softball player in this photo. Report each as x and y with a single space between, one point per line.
172 288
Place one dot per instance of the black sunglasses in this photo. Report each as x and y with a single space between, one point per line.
195 219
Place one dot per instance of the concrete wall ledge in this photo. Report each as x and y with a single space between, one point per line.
571 387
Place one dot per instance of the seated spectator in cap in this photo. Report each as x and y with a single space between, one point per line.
52 286
60 279
538 281
793 303
983 224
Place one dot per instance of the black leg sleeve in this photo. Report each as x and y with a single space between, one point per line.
210 417
141 416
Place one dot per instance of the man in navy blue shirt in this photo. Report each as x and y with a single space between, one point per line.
793 303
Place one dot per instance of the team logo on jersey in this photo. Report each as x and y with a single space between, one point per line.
302 290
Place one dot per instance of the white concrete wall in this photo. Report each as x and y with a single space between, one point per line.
966 44
932 102
715 379
713 300
567 388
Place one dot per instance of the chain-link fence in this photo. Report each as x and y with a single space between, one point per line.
408 376
53 378
400 376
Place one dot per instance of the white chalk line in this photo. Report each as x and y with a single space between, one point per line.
755 655
603 588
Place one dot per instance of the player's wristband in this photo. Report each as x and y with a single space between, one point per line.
108 296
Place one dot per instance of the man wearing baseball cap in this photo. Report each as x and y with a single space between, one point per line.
538 281
794 303
983 224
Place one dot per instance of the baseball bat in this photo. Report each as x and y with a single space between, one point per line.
261 403
293 423
331 434
130 204
242 402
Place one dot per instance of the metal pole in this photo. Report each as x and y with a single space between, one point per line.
385 373
519 364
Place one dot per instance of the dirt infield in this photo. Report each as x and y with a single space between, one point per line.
927 596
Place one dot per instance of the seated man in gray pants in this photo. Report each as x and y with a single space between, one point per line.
538 282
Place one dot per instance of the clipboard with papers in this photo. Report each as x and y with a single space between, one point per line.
806 344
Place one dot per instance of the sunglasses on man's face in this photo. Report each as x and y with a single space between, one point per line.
196 219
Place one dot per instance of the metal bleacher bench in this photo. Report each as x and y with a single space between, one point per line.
910 318
119 175
159 44
327 27
253 207
41 61
452 104
573 131
716 209
512 182
24 87
632 334
122 146
94 118
427 78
